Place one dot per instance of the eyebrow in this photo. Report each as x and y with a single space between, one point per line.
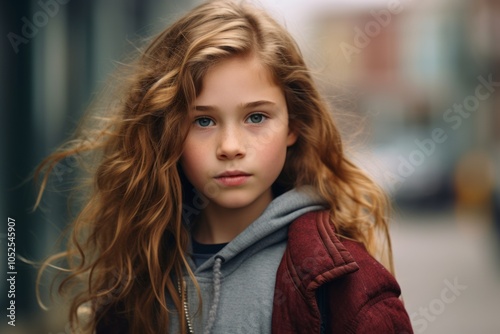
248 105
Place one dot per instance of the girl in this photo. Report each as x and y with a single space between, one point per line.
222 200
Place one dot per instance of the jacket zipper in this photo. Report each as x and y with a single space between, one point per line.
185 306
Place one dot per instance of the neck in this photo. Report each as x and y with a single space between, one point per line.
217 225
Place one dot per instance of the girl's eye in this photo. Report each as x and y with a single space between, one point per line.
256 118
203 122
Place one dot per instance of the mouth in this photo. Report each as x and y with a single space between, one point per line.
232 178
232 173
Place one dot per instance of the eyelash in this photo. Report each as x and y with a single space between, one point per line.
196 121
264 117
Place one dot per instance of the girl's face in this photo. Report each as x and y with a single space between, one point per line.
237 142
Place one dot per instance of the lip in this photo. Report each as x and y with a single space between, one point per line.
230 173
232 178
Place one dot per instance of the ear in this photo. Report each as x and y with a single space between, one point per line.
291 138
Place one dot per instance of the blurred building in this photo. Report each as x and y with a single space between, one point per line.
415 70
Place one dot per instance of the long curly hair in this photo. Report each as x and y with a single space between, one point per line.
128 243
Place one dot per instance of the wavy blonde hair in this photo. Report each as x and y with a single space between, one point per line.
128 242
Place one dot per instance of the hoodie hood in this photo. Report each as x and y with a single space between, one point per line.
237 283
269 228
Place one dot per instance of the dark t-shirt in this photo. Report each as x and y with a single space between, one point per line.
202 252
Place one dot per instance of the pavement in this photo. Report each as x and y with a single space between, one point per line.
448 267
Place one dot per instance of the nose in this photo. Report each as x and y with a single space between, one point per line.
231 144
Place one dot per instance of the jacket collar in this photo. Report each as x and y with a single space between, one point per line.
314 254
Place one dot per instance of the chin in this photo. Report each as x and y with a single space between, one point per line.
233 203
234 200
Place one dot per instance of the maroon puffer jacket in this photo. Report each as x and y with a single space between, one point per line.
362 296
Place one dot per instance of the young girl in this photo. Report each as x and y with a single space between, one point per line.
222 200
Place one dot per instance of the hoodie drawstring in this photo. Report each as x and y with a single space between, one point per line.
217 274
212 314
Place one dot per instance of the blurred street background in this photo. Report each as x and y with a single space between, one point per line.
415 87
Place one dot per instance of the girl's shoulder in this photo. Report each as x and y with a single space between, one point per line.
316 253
351 277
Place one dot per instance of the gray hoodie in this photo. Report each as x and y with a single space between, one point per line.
237 283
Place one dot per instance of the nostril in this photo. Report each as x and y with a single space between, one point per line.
231 148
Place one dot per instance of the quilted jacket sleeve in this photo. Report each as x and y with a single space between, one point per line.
367 301
385 316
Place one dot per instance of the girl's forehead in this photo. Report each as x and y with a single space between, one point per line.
246 60
237 81
238 66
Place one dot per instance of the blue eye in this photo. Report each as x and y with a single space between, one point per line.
203 122
256 118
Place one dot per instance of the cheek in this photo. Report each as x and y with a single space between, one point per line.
190 159
272 155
